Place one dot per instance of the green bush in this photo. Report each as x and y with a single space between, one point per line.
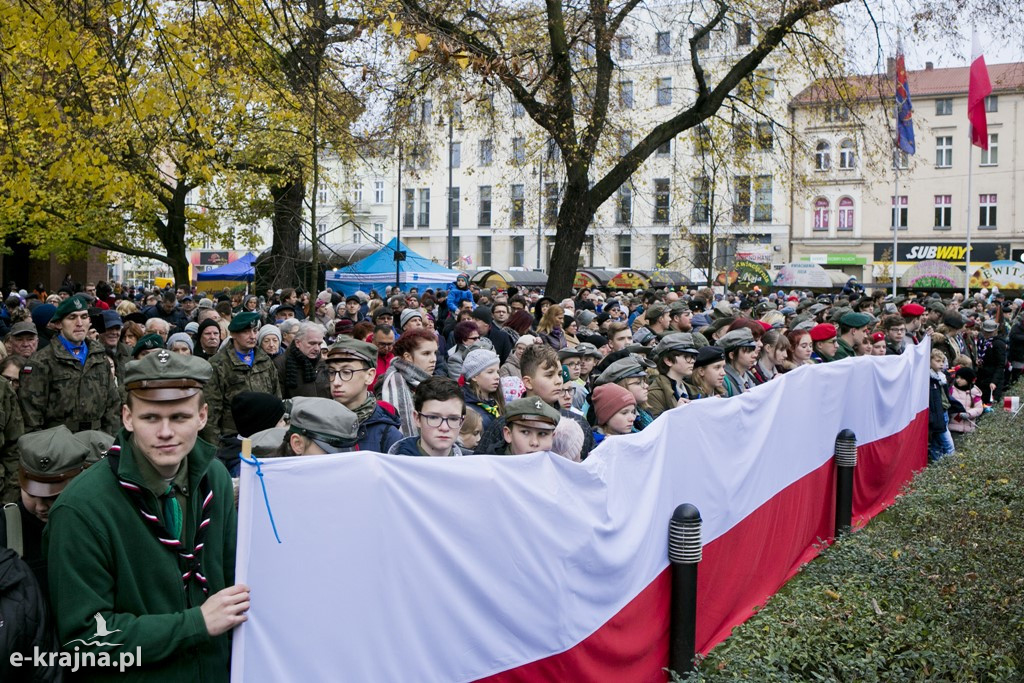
931 590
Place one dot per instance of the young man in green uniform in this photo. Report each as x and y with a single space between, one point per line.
141 546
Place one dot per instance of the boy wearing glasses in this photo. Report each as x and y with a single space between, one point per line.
351 371
439 413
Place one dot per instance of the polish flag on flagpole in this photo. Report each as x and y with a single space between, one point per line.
979 87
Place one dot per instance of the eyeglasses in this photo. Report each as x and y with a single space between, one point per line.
473 339
640 381
571 391
434 421
572 364
345 373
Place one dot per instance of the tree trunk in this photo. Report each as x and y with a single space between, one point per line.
574 217
287 221
173 237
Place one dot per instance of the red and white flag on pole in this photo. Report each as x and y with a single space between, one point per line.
978 89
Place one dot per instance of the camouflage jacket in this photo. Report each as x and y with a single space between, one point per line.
56 389
231 377
12 427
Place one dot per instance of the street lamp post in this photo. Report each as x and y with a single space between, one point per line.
540 208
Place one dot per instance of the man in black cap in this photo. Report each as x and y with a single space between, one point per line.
353 308
239 366
108 323
499 338
142 544
69 382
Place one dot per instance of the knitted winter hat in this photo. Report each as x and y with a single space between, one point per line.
183 338
609 399
568 440
255 411
477 361
266 331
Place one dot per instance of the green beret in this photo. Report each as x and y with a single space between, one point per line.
50 458
148 343
855 320
166 376
532 411
347 348
74 303
244 321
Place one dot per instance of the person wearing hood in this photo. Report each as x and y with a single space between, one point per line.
459 292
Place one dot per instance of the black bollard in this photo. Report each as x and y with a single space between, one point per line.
684 552
846 461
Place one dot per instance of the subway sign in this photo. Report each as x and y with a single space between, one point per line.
950 252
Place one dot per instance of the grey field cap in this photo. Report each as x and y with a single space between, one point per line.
622 369
738 338
330 425
680 341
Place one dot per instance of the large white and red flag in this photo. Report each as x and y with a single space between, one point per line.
535 568
979 87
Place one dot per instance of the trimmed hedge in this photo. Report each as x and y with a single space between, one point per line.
931 590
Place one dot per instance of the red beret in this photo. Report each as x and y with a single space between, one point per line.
878 336
766 326
823 332
911 310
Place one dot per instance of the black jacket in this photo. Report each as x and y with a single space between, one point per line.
25 622
1015 351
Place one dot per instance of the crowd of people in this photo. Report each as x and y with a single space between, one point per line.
123 412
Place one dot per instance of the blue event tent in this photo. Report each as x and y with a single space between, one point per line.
239 270
377 271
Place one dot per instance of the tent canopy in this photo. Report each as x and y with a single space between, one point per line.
377 271
239 270
503 279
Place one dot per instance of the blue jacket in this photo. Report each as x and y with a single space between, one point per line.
456 296
380 432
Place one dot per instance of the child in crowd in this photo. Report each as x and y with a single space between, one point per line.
940 443
440 413
966 405
482 384
529 426
469 435
615 411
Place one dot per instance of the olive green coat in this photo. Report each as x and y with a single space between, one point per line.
231 377
12 427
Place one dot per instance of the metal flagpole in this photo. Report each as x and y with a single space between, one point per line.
970 177
896 215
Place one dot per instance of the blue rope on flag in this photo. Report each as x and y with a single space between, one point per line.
254 461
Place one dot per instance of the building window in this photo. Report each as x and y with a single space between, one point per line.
625 47
409 212
664 149
453 205
418 158
705 40
378 192
624 205
357 193
321 196
518 110
944 106
484 217
992 103
625 257
741 199
821 213
837 113
823 156
987 212
900 160
378 233
486 152
426 110
485 251
517 200
456 154
550 202
990 156
553 153
702 142
847 154
845 214
944 151
943 211
744 34
763 198
701 200
661 251
517 250
741 137
664 91
626 94
662 200
518 150
902 213
663 40
625 143
424 221
357 234
765 135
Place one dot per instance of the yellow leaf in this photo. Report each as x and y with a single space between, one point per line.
413 56
396 28
895 554
422 42
462 59
832 594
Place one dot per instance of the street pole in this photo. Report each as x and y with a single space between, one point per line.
896 217
398 230
540 207
451 238
970 177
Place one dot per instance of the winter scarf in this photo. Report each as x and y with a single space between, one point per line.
399 384
364 411
296 364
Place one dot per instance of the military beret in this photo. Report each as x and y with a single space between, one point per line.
823 332
244 321
330 425
739 338
855 320
353 349
70 305
147 342
912 310
166 376
681 342
623 368
532 411
50 458
708 355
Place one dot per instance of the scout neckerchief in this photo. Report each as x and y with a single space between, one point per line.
189 561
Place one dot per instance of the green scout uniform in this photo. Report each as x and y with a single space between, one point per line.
12 426
231 377
105 556
57 389
844 350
